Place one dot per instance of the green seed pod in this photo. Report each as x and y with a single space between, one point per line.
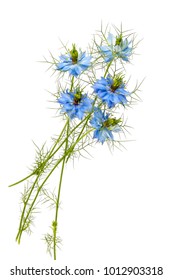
110 123
117 81
74 54
119 39
77 96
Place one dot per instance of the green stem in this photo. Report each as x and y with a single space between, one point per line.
52 152
107 69
87 118
72 83
21 224
59 138
18 238
47 159
27 177
69 151
58 199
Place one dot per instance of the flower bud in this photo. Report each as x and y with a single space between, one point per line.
54 224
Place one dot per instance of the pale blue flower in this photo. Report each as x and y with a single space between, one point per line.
73 62
117 47
104 126
111 90
75 104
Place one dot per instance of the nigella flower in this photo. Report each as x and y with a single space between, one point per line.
117 48
74 62
104 126
111 90
75 104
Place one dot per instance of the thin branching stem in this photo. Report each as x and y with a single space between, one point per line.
69 151
22 180
72 83
49 156
22 220
107 69
22 223
55 223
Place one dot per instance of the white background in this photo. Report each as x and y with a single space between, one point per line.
116 209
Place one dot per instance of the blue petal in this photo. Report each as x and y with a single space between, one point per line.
111 39
122 91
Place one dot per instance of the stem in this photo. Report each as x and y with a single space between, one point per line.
21 225
52 152
59 138
58 199
27 177
109 64
18 238
69 151
72 83
87 118
47 159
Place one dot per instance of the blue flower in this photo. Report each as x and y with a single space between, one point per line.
75 104
74 62
104 126
111 90
117 48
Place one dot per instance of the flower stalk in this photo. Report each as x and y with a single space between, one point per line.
55 222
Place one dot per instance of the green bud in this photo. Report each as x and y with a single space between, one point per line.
74 54
119 39
54 224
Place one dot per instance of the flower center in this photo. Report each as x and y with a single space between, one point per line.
74 54
117 81
110 123
119 39
77 98
113 88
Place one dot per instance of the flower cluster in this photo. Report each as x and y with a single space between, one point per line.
92 96
110 89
